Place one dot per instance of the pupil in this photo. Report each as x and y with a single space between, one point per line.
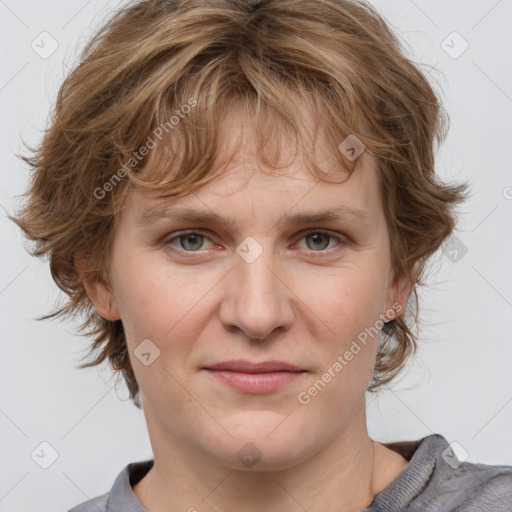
195 240
188 238
318 238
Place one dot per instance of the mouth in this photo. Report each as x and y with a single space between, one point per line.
255 378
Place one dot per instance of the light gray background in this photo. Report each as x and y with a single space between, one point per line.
460 384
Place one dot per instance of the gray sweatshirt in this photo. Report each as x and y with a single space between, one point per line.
434 481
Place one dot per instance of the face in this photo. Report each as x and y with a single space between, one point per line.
265 284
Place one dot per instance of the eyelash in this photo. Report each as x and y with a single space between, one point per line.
168 241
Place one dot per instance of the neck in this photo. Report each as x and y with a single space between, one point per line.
343 476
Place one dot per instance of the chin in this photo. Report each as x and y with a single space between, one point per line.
252 449
258 458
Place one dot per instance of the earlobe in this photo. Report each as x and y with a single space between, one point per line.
398 297
97 290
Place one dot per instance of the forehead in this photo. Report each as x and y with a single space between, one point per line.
245 181
261 201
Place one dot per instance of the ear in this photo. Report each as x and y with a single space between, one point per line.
398 295
98 290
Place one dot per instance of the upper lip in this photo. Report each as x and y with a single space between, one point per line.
244 366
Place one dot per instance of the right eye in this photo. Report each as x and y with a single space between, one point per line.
189 241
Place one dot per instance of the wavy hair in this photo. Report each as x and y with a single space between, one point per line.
153 58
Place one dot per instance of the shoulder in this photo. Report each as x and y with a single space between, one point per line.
120 498
98 504
436 479
476 487
456 485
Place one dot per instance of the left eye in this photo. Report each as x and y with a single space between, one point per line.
319 238
193 240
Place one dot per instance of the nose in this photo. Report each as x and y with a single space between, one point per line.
257 300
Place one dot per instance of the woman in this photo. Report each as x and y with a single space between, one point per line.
291 143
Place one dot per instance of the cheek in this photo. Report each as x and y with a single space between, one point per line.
346 302
159 302
349 304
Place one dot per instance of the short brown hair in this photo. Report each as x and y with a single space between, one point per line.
156 56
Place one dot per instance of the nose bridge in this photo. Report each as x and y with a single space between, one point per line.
257 302
257 278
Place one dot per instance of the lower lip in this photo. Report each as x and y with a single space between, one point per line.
256 382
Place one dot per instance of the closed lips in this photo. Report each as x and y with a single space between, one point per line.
242 366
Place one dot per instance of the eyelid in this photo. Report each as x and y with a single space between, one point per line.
167 240
340 238
206 233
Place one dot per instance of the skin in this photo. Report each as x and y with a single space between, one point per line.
303 300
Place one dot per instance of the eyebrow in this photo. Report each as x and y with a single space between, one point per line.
205 217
